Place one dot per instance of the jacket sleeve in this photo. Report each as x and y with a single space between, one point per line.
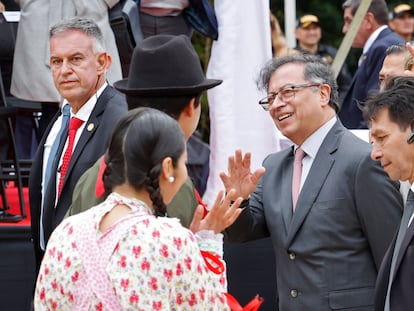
379 211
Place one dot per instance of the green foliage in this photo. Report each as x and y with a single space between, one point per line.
330 14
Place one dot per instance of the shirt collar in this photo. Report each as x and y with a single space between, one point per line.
312 143
372 38
86 110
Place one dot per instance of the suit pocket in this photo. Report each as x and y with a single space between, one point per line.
352 299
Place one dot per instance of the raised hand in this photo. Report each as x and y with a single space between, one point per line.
223 214
239 176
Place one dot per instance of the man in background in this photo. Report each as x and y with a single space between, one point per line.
374 36
402 21
394 63
308 35
32 77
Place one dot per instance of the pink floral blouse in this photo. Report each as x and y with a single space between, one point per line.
140 263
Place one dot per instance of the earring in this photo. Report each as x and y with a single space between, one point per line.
171 179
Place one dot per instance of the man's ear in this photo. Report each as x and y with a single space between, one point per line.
370 19
103 62
325 92
189 109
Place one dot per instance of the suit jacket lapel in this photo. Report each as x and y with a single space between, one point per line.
286 187
49 191
40 154
90 127
319 171
404 245
384 275
87 133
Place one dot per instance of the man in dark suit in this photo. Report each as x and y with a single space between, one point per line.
390 117
374 36
79 63
329 245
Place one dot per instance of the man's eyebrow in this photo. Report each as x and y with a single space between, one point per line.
377 132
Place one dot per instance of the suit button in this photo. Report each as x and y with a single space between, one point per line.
294 293
292 256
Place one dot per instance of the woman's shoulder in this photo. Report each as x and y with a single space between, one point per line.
159 231
167 225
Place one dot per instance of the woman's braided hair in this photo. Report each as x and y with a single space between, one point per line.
149 137
114 157
153 187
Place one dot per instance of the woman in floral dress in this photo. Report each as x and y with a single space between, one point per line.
124 254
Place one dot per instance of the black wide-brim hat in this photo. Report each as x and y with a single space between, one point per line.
165 65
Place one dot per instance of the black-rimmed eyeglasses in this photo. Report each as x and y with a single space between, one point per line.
285 94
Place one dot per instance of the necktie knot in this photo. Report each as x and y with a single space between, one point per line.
75 124
66 110
299 155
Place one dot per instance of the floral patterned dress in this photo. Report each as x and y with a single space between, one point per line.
140 263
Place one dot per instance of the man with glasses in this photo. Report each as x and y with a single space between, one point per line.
308 34
331 214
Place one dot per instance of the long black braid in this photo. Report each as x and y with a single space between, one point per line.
153 186
114 157
149 139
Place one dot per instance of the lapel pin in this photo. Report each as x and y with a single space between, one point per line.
90 127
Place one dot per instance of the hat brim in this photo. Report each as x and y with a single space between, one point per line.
122 86
307 24
401 14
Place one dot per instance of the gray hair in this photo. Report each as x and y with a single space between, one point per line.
396 49
85 25
378 8
315 70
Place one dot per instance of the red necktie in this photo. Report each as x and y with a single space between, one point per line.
74 125
297 173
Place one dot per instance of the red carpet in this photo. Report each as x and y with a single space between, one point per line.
17 265
13 200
